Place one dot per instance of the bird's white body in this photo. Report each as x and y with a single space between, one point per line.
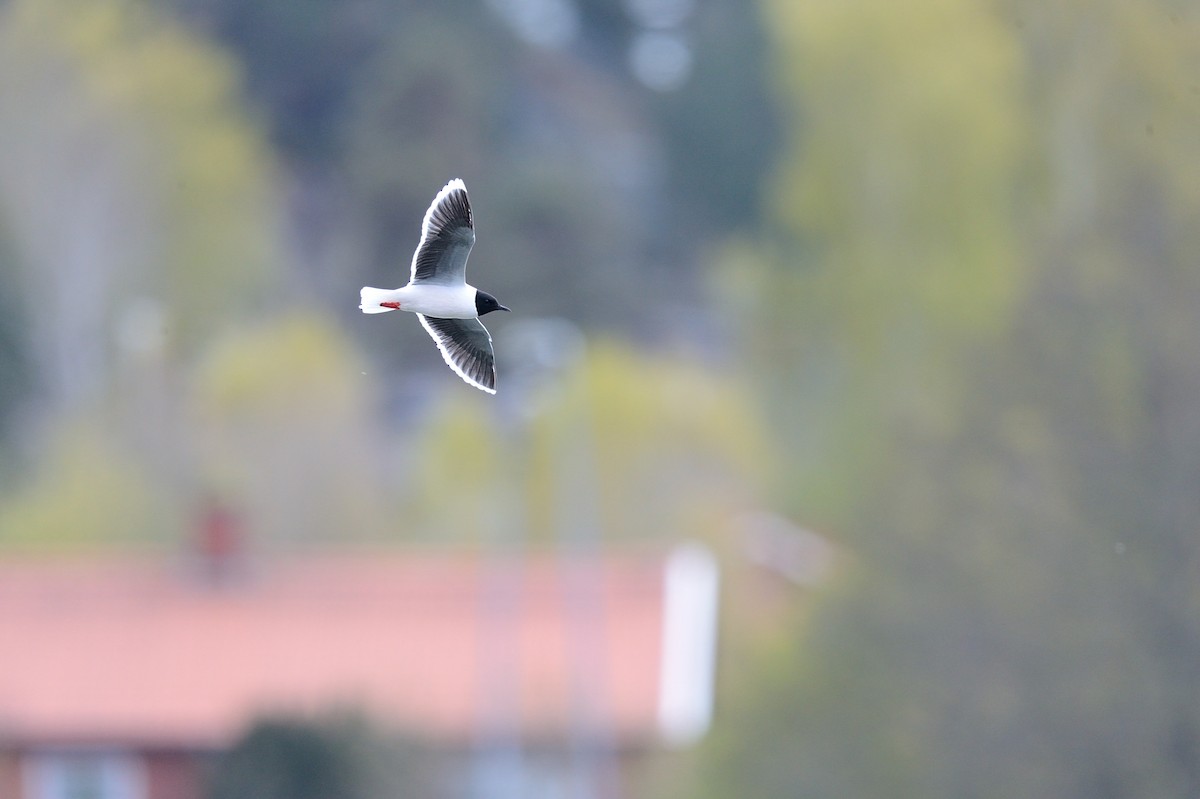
447 302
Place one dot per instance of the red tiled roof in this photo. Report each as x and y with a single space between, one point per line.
138 650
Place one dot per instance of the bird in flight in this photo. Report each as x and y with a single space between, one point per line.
438 292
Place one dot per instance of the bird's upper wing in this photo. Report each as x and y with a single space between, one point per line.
447 235
467 347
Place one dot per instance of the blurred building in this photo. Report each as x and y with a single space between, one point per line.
120 676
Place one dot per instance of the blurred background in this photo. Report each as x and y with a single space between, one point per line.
921 277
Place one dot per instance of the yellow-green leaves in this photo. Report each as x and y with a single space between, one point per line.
283 429
90 493
905 151
632 447
127 166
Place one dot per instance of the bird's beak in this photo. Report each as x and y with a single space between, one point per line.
502 308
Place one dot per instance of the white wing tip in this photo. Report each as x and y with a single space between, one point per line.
455 184
458 371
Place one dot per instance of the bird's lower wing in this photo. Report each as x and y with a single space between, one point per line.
467 347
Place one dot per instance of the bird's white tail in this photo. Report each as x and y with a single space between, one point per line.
370 298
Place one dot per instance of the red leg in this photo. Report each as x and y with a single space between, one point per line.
395 306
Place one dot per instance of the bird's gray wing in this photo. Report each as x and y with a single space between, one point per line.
447 235
467 347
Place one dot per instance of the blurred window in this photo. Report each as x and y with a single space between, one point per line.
84 775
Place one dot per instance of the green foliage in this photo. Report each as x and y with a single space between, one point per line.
446 97
720 129
636 447
127 171
89 491
137 210
343 756
271 369
15 368
975 308
581 176
911 135
282 416
674 448
303 60
896 247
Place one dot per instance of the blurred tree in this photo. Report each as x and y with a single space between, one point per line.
974 310
90 492
137 207
596 187
283 425
552 151
895 205
15 367
302 59
340 756
634 447
718 125
721 130
126 172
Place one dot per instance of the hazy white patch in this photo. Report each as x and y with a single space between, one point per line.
545 343
142 327
545 23
795 552
689 646
99 773
661 60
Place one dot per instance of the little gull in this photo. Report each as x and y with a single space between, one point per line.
438 292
